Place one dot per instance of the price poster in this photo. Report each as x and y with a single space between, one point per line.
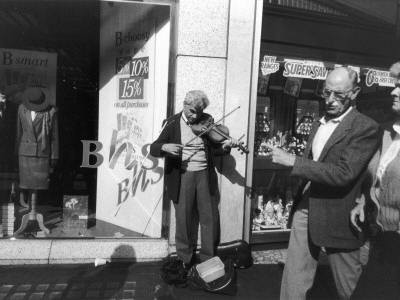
129 182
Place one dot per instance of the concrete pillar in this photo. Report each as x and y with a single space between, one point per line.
214 54
202 29
242 46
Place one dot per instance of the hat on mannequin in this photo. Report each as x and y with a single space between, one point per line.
36 98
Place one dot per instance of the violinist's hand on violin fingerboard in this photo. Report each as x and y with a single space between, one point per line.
234 143
230 143
172 149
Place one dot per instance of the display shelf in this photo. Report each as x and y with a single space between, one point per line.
266 163
304 127
262 123
269 236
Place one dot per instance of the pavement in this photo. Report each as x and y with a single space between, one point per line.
122 280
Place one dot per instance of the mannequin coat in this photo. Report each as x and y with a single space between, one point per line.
36 145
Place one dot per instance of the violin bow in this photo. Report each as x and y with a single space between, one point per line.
211 127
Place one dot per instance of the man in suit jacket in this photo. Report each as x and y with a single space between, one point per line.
331 171
190 177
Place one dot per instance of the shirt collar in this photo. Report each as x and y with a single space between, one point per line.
185 119
336 120
396 127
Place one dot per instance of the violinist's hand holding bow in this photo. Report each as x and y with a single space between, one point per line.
230 143
172 149
279 156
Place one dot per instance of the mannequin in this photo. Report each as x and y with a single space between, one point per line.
37 146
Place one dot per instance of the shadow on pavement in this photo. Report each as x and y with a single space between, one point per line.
257 282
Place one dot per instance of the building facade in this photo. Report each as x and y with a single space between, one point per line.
115 69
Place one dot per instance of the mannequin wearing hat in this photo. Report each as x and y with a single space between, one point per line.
36 146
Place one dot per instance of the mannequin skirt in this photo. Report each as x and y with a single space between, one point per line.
34 172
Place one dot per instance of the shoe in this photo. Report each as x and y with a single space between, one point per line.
187 267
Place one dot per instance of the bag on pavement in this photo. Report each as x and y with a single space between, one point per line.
174 273
239 251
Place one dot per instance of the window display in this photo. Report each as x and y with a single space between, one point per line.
80 101
289 101
270 214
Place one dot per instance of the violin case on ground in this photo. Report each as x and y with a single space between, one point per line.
238 251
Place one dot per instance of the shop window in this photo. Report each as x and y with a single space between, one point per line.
307 5
289 101
82 97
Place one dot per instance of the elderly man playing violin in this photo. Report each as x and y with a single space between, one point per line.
331 171
190 177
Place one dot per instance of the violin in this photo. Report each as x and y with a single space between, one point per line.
216 132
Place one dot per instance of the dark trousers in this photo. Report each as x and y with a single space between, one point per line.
195 190
381 277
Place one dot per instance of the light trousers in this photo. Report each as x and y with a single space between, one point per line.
302 261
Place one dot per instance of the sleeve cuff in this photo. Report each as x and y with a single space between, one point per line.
361 199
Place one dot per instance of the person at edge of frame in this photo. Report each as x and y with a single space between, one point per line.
8 125
380 278
330 173
190 177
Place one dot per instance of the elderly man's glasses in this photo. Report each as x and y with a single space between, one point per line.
338 95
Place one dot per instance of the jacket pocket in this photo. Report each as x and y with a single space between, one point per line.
27 148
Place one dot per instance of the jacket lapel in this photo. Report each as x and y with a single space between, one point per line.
177 129
39 116
339 133
28 118
387 139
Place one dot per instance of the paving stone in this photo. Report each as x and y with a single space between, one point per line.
95 286
128 294
42 287
36 296
110 293
130 285
3 296
24 287
17 296
55 295
5 288
113 285
78 286
74 295
60 286
92 294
